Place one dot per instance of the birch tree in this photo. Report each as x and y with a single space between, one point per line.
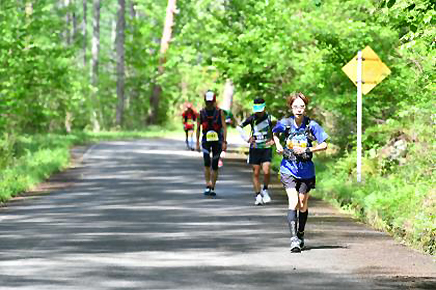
166 38
119 40
94 63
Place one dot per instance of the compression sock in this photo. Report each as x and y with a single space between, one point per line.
292 222
302 218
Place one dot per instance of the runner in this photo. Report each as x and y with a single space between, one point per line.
260 153
212 123
189 118
297 172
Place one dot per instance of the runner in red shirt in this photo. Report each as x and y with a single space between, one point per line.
189 119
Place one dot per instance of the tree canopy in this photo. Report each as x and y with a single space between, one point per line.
266 48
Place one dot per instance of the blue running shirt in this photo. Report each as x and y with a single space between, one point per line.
299 169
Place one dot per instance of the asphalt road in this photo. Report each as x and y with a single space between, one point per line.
134 217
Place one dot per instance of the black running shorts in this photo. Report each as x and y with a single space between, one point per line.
302 185
211 147
257 156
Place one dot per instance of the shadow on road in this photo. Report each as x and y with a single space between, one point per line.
134 217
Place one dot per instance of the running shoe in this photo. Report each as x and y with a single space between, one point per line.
266 198
300 236
207 191
212 193
258 200
295 245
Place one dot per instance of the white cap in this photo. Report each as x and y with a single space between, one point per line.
209 96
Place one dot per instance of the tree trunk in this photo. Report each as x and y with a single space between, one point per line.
94 64
68 22
134 91
132 9
228 95
164 44
85 34
121 23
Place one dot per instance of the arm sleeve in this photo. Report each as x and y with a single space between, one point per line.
246 122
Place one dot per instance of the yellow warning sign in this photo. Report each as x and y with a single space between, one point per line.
373 70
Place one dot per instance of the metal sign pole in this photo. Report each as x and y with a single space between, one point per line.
359 116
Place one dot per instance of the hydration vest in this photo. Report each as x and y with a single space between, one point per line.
211 123
261 135
290 134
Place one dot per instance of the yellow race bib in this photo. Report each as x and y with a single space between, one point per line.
212 136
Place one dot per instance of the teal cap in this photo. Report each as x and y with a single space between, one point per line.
257 108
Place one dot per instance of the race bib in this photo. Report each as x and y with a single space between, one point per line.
212 136
189 122
294 143
259 137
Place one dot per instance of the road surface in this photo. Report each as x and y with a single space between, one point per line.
133 217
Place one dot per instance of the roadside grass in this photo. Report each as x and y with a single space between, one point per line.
27 160
397 203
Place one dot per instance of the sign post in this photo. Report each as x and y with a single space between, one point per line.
359 116
366 70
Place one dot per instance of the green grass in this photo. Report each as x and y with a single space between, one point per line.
401 202
27 160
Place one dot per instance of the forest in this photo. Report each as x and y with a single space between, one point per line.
73 71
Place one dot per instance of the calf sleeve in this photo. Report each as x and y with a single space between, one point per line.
292 221
302 218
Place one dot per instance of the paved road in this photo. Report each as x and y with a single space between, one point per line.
136 219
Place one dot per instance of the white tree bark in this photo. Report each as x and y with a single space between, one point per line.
164 44
95 51
228 95
121 24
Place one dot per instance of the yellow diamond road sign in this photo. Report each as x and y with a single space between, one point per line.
373 70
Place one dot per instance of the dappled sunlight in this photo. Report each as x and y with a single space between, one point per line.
143 213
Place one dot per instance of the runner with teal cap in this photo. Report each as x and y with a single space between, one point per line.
260 153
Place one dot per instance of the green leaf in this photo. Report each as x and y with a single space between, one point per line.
391 3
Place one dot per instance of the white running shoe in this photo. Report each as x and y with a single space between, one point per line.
295 245
258 200
266 198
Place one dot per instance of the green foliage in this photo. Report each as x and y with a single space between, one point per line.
268 49
35 68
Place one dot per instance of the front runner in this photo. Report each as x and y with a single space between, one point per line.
297 171
260 153
213 125
189 119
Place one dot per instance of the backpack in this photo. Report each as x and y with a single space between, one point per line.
289 134
213 122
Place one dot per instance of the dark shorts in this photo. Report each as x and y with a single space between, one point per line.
211 147
301 185
257 156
